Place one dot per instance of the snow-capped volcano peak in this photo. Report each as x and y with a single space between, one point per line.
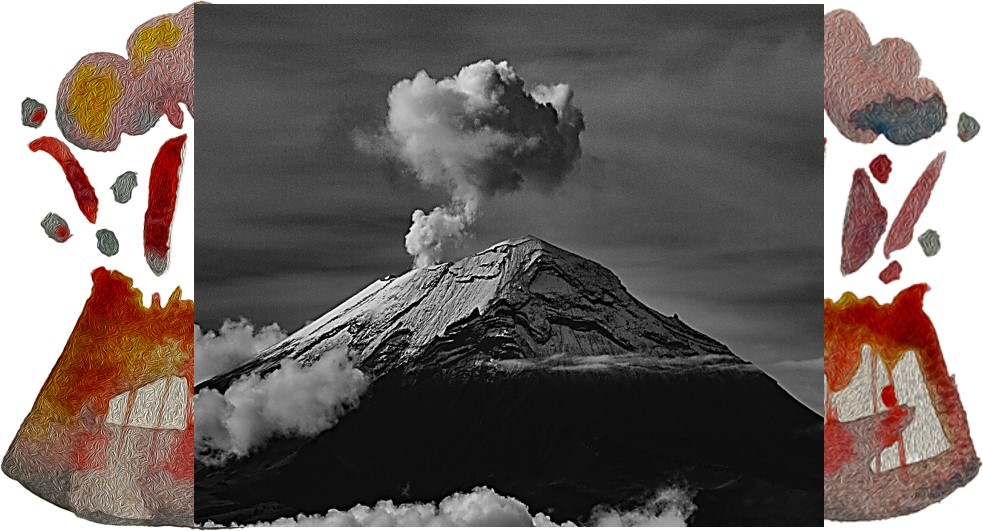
528 366
522 303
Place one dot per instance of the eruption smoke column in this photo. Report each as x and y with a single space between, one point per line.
479 133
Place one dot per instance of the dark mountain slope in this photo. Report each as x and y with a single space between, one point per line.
530 370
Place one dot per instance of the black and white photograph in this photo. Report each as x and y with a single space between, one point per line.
508 265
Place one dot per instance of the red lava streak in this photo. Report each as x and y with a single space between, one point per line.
164 177
85 194
900 234
863 225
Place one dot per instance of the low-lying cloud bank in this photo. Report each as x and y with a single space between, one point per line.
292 401
232 345
483 507
670 507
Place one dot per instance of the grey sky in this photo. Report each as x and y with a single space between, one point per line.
700 183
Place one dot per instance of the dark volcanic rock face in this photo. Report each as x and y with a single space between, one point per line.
532 371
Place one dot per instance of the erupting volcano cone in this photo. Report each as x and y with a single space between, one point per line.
896 437
111 435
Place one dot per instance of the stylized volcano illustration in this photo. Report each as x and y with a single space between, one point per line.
111 434
896 437
533 371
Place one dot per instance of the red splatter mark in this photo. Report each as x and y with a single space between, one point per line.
38 116
62 233
863 225
85 194
888 397
164 177
902 230
890 427
891 273
880 168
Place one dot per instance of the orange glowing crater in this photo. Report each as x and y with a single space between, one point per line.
111 435
896 436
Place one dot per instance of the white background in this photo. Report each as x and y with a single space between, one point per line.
45 284
949 48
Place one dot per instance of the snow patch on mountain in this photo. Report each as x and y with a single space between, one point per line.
521 304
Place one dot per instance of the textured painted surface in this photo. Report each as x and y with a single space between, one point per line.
874 89
902 121
933 449
164 177
160 36
106 242
56 227
85 194
123 187
32 112
930 243
863 224
968 127
880 168
874 389
92 96
890 273
105 95
116 463
903 228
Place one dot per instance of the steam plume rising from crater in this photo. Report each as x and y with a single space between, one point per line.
477 134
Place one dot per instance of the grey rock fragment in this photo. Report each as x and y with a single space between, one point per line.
968 127
123 187
32 112
930 243
107 242
56 227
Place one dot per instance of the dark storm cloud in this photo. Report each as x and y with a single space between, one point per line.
699 184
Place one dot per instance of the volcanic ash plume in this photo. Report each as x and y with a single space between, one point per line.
479 133
431 234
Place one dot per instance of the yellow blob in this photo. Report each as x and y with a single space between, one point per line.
92 96
164 34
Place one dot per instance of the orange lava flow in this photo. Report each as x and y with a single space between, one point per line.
117 345
890 330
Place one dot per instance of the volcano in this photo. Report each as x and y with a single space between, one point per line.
533 371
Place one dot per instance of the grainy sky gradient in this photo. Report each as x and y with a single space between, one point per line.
700 184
